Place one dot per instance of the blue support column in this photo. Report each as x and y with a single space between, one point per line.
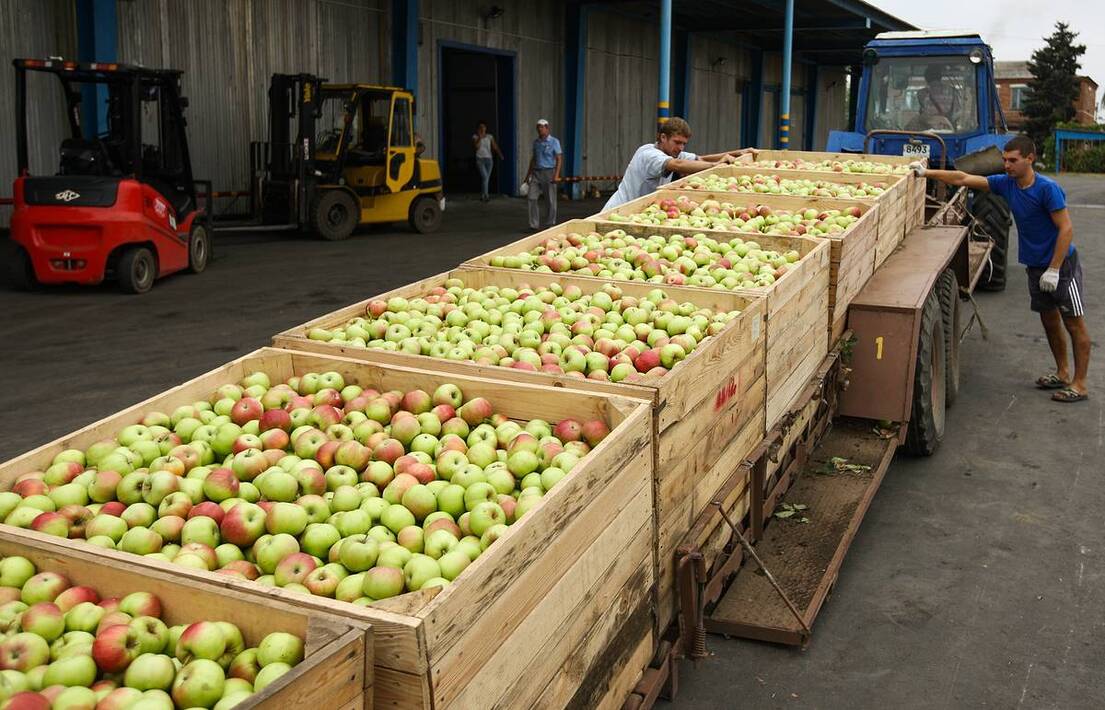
810 119
784 94
404 44
97 41
575 80
752 98
663 99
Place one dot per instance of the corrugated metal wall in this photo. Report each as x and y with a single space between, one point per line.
718 72
832 104
534 31
620 97
33 28
228 50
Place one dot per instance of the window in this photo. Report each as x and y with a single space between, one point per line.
1018 94
923 93
401 124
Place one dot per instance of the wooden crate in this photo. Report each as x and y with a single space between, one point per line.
852 259
336 671
813 155
715 395
553 591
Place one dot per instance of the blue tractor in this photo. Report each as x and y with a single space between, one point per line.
932 95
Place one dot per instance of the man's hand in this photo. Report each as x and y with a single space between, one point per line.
1049 281
728 159
918 168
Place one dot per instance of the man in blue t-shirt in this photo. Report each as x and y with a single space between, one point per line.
543 174
1045 245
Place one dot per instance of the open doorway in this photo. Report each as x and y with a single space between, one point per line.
477 84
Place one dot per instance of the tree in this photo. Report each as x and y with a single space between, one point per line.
1054 84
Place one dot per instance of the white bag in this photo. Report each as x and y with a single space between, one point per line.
524 189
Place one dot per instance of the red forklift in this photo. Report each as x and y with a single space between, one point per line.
122 204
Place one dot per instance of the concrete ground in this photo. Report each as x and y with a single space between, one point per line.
975 581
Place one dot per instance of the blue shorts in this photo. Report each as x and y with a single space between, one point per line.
1067 296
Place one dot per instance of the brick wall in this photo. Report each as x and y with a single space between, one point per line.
1085 105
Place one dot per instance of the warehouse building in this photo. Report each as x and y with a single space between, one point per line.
590 68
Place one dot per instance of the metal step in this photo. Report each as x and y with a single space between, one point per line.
805 558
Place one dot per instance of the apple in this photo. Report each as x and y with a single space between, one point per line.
358 553
199 683
150 671
243 524
203 639
43 587
271 550
294 568
280 647
24 651
269 674
44 619
71 671
201 529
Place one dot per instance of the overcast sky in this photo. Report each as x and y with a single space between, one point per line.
1013 27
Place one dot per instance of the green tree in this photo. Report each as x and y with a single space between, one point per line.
1054 84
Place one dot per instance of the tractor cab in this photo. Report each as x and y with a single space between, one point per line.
925 94
117 197
340 155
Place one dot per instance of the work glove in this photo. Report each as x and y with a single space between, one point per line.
917 168
1049 280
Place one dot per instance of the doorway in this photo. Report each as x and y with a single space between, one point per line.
477 84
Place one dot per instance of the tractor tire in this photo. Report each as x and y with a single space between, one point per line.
199 248
926 423
947 288
334 215
993 215
137 270
425 214
21 273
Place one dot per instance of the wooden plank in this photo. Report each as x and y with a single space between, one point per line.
735 170
336 670
398 690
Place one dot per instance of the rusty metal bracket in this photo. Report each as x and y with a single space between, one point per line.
767 573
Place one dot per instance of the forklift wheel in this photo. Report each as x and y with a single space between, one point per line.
926 422
21 273
137 270
335 215
199 248
425 214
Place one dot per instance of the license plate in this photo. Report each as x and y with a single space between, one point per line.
916 150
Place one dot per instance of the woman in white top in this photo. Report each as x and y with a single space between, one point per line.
485 144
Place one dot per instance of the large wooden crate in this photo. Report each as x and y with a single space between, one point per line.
852 259
715 397
895 202
336 671
531 621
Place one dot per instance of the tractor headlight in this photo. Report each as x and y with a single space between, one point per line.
870 57
976 56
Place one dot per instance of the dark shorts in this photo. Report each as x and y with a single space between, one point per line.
1067 297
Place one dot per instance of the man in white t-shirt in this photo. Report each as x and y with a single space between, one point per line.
656 164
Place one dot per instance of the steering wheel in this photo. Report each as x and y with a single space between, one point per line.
328 141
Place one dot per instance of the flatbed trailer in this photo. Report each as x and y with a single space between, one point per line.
770 577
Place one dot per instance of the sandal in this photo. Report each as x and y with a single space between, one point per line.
1051 382
1067 395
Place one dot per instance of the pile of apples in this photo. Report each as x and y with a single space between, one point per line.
313 485
683 211
66 647
778 185
836 166
675 260
558 329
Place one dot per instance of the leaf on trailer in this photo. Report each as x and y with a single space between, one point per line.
784 513
799 506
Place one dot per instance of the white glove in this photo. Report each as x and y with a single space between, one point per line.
1049 281
917 168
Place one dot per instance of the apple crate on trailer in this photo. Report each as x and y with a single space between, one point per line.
708 412
558 611
893 202
336 671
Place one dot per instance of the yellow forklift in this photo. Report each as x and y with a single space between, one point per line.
352 160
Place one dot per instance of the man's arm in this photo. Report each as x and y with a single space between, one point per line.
714 157
556 170
952 177
689 167
1061 218
529 172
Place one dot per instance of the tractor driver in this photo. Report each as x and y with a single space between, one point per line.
1045 245
938 103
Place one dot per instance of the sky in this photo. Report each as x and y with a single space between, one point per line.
1013 28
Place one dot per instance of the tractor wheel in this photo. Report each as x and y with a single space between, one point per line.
926 422
21 273
993 214
199 248
425 214
334 215
137 270
947 288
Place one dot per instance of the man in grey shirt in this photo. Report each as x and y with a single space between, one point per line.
656 164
